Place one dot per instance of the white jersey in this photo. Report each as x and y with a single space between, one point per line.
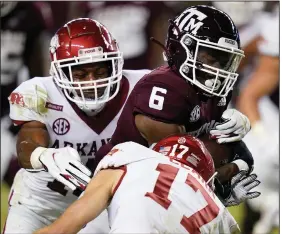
157 195
41 100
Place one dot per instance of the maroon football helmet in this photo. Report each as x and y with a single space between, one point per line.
85 41
203 45
190 151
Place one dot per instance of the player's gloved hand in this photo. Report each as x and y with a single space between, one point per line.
238 190
234 127
63 164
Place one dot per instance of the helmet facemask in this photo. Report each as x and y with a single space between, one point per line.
90 96
210 66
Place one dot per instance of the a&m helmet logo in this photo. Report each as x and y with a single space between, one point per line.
190 21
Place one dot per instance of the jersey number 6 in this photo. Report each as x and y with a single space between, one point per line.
156 101
160 195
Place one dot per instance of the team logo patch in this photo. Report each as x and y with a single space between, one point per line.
61 126
190 20
17 98
195 114
181 140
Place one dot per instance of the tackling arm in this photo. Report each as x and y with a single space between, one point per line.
95 199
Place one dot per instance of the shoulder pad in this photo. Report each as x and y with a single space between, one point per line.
125 153
30 94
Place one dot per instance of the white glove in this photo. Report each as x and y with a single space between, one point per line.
63 164
234 128
241 185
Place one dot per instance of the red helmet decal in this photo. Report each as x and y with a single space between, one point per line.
188 150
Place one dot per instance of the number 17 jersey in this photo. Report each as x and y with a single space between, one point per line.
157 195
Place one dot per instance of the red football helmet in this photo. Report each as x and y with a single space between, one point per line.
84 41
190 151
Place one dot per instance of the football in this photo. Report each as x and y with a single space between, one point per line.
222 155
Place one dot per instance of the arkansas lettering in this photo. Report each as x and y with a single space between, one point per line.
84 149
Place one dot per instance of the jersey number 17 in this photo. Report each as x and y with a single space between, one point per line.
160 195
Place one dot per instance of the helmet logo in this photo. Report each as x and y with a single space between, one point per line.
193 159
164 150
185 21
228 42
54 44
91 51
181 140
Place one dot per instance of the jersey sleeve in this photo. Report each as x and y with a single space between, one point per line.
161 102
27 102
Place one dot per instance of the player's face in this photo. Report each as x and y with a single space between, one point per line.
216 59
210 58
91 72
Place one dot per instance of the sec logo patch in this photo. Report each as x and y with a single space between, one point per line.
195 114
61 126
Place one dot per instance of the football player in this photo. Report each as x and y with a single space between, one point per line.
192 92
173 196
63 120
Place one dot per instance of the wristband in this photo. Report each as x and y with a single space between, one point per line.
34 158
241 164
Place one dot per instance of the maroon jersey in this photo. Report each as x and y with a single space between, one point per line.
165 96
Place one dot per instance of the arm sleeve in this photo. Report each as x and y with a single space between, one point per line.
241 151
160 102
27 102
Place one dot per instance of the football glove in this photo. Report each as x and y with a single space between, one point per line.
234 127
63 164
238 189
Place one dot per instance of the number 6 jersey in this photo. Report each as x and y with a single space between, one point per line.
39 99
157 195
166 97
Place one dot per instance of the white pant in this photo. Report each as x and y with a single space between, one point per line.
26 215
22 220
